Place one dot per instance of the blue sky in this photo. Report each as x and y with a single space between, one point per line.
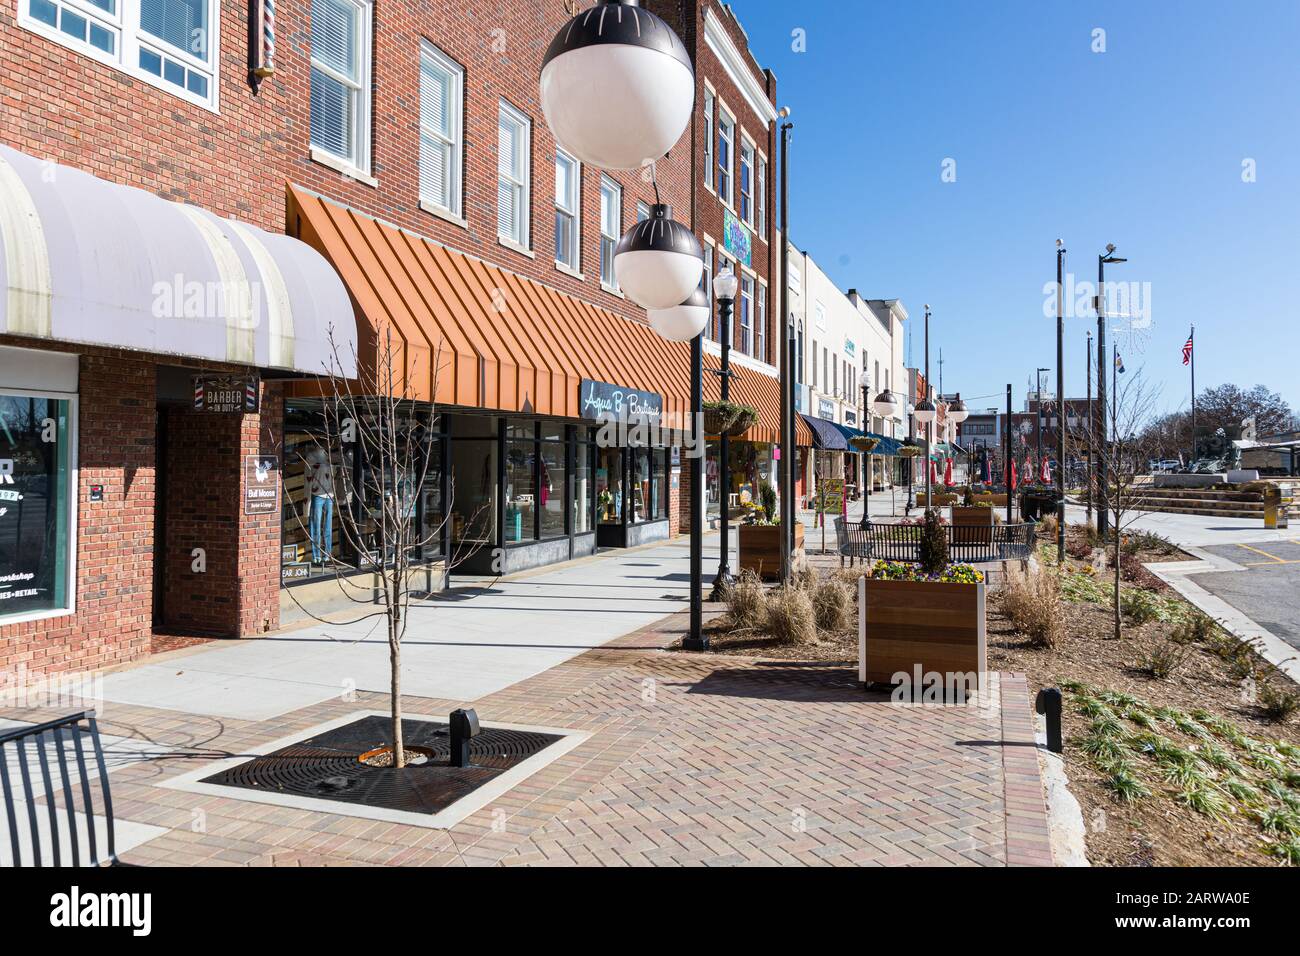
1141 145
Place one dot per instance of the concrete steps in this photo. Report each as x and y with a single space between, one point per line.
1203 501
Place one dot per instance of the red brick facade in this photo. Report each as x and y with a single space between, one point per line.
61 105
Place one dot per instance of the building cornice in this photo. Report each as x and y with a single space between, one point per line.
733 62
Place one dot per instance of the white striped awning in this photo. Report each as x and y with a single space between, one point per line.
87 261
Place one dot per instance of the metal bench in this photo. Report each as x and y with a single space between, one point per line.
46 752
966 543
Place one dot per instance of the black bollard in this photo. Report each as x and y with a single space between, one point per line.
1048 703
463 724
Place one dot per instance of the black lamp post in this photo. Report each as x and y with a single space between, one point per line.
911 461
789 374
886 406
725 285
1107 257
1038 421
925 413
1060 404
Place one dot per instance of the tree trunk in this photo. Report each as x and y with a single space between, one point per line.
395 686
1119 620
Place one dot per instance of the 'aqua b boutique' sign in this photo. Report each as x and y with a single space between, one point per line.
737 239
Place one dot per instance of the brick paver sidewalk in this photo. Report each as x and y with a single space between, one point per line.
693 759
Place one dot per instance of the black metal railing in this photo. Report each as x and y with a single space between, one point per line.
47 752
970 544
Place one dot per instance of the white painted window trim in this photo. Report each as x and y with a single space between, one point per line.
522 242
746 142
456 103
727 199
710 129
357 165
74 493
127 57
573 268
612 284
760 195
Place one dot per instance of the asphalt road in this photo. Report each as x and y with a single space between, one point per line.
1267 589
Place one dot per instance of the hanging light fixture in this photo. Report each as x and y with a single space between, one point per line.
957 411
885 404
617 87
658 263
925 412
681 323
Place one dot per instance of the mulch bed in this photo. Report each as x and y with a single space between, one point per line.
1156 831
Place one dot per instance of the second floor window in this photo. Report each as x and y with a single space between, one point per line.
567 212
760 197
611 228
746 343
340 80
708 136
746 182
642 211
167 43
441 86
760 323
512 175
726 136
706 280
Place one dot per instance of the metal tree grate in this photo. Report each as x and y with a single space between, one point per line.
325 766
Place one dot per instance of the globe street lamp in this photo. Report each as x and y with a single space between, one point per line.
725 286
658 263
864 382
617 86
958 413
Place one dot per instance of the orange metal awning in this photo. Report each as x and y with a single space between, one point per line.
471 334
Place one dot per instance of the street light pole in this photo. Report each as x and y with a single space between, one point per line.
788 358
865 381
724 285
697 640
1087 465
1103 515
1060 404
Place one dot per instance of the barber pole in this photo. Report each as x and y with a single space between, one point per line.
264 44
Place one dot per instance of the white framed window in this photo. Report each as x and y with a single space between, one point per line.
642 211
726 139
819 313
340 80
38 550
746 180
760 322
706 280
514 134
442 97
746 314
611 228
708 138
568 215
170 44
760 196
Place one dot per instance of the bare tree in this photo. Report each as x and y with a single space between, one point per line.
377 441
1124 454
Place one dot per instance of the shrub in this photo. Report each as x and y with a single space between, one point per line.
968 496
934 544
790 617
1032 600
1197 628
1139 606
1278 703
832 602
747 602
1136 542
767 498
1047 526
1165 661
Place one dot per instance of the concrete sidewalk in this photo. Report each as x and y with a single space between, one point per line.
465 645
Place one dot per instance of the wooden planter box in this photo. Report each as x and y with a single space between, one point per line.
760 548
976 524
906 625
994 499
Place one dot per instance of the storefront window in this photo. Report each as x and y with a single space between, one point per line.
551 489
609 485
36 442
521 482
582 487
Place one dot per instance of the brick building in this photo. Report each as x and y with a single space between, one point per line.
391 171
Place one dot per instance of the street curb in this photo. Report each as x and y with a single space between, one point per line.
1269 646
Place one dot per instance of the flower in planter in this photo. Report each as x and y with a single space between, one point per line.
903 571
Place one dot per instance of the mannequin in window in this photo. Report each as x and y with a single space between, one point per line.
319 475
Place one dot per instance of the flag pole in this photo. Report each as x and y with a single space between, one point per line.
1192 338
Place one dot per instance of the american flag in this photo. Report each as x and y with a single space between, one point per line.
1187 350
